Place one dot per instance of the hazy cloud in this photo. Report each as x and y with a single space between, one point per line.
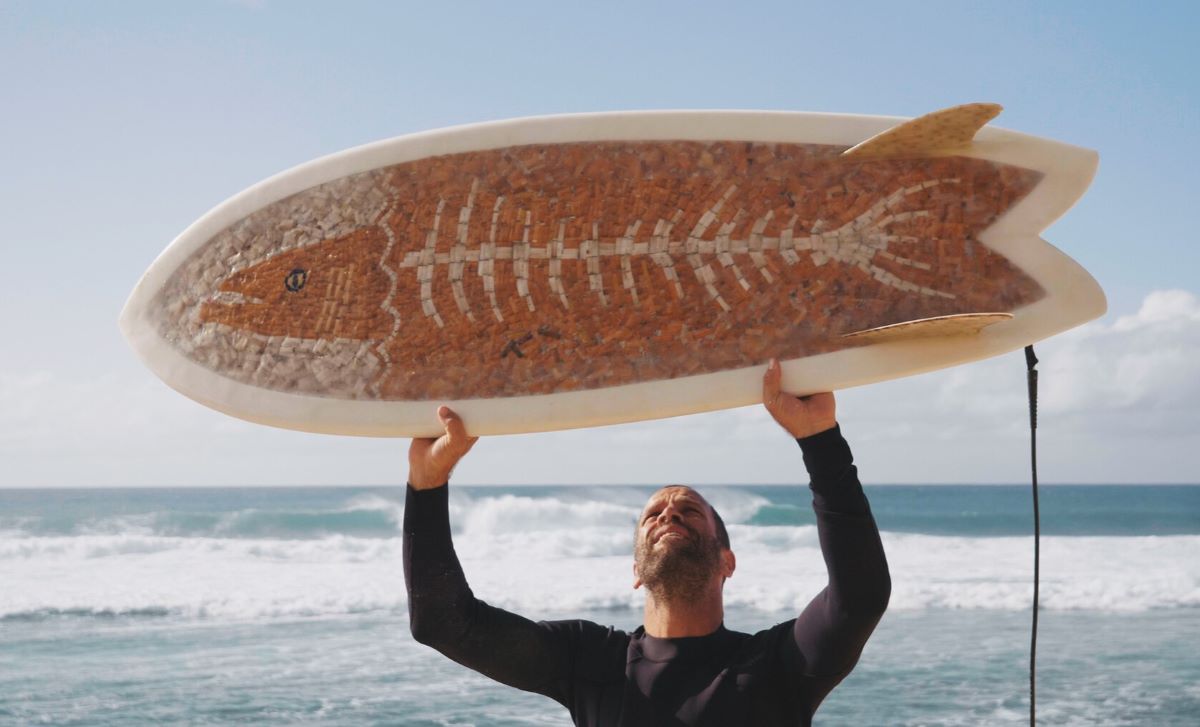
1118 401
1139 373
1143 370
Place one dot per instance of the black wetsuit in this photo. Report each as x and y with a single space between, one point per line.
605 676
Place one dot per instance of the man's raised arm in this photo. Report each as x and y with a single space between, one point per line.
832 630
443 612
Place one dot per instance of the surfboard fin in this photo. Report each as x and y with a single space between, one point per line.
940 132
961 324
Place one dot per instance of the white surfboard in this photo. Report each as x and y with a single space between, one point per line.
571 271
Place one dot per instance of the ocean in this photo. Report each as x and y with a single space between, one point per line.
287 605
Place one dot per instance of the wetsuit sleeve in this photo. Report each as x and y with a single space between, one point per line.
444 613
830 633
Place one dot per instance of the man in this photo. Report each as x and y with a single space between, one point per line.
682 667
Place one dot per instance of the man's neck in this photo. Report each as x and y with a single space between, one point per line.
667 618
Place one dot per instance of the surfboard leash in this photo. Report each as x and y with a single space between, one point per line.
1032 375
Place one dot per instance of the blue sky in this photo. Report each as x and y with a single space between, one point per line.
126 121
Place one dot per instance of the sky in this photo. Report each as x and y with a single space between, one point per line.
124 122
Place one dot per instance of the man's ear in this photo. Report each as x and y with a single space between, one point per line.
637 581
728 563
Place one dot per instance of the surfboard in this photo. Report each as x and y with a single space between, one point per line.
570 271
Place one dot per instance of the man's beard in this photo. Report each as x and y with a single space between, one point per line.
679 571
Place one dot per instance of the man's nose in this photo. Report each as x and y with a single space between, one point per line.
670 514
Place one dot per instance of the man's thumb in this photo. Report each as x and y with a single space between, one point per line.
453 424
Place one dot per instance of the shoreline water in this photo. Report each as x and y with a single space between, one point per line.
128 607
937 667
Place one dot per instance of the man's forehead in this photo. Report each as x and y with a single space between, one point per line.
675 491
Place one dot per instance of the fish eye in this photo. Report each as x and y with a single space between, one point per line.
296 279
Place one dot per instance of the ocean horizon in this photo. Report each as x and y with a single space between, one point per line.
286 605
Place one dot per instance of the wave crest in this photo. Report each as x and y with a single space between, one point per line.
558 573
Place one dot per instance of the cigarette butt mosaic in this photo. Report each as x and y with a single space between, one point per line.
564 267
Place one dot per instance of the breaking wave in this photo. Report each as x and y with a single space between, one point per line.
549 554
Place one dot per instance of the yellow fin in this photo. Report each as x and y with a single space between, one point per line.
961 324
940 132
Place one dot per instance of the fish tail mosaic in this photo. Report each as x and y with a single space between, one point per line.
563 267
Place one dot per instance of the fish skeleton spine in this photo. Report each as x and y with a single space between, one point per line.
854 243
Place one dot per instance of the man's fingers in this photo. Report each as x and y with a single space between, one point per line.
773 397
455 428
771 383
431 460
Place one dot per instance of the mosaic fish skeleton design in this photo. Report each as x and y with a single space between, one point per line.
579 266
854 243
457 228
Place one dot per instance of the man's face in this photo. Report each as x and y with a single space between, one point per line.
677 552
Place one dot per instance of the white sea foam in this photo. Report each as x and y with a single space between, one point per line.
555 556
392 509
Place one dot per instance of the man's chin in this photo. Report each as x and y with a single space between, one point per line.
676 554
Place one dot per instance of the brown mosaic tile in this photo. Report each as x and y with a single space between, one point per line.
564 267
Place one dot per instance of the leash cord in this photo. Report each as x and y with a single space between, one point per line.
1031 362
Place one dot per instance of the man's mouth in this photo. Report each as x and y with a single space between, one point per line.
226 297
677 532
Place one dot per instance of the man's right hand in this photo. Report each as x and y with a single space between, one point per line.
431 460
801 416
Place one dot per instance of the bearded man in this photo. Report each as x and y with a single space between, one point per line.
682 666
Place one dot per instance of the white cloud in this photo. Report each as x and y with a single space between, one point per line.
1139 373
1143 368
41 411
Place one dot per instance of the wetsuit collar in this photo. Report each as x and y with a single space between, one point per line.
658 649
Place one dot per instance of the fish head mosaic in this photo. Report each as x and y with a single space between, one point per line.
310 293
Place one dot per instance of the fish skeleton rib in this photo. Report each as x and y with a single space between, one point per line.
854 243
